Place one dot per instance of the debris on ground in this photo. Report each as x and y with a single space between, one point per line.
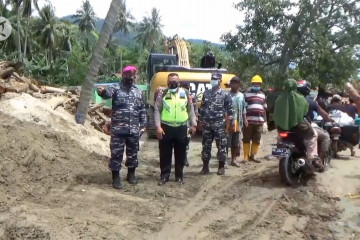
13 83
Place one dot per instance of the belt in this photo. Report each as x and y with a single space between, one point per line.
174 124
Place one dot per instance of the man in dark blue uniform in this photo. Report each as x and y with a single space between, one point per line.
128 119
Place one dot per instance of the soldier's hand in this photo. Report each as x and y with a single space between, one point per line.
159 133
101 90
193 130
232 128
141 132
106 128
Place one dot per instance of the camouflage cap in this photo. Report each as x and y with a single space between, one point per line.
216 76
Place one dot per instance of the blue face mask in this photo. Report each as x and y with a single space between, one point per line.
256 88
214 83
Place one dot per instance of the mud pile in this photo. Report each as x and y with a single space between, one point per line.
41 149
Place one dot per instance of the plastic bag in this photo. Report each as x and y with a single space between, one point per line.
341 118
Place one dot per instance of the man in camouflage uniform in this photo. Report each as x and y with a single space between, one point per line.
128 119
216 104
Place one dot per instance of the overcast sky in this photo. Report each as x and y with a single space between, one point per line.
201 19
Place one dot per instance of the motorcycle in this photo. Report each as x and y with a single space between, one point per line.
343 132
293 165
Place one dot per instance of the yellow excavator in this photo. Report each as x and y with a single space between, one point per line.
176 59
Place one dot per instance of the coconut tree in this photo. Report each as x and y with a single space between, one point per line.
97 57
46 28
16 5
85 17
27 11
150 31
124 21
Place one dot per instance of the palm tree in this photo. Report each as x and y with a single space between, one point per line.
27 11
16 4
150 33
46 30
124 20
66 33
97 57
85 17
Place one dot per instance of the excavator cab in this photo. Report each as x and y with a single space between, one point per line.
157 63
208 61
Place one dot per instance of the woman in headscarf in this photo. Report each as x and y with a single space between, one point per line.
289 115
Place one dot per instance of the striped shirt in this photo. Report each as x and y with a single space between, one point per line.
255 107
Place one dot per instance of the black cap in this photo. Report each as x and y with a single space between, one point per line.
235 79
216 76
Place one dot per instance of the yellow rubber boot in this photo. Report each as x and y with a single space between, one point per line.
254 150
246 151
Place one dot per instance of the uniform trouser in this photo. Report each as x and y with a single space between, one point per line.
174 138
209 133
253 133
117 145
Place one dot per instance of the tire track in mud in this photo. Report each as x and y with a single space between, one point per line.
181 215
209 207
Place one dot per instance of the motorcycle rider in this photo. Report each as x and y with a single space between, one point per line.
323 137
289 115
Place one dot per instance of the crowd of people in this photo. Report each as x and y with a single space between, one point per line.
228 117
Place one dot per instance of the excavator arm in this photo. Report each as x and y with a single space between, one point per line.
177 46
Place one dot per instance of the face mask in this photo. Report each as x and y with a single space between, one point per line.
214 83
256 88
173 90
128 81
173 85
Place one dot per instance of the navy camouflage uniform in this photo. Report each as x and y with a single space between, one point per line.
212 113
128 117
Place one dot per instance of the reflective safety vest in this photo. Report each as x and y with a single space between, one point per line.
174 110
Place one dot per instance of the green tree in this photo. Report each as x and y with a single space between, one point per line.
150 31
124 21
16 5
318 35
85 17
45 30
27 11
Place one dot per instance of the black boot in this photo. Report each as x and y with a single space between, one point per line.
221 169
186 164
179 176
131 176
179 180
205 169
116 180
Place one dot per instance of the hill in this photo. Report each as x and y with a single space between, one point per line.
127 40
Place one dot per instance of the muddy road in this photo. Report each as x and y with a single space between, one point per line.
55 184
52 188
